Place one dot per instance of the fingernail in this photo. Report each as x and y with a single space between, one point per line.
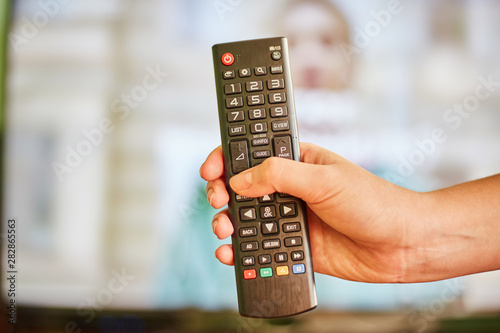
241 181
210 196
214 224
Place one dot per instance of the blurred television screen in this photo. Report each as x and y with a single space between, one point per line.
111 109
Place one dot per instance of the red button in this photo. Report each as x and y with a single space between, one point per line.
249 274
227 59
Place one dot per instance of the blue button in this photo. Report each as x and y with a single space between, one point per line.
299 269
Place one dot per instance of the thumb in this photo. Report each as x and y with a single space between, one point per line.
306 181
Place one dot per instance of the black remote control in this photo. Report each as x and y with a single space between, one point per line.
272 256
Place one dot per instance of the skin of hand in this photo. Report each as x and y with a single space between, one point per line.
362 227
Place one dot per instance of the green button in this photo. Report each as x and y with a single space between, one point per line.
266 272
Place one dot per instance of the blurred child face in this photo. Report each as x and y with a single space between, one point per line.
314 34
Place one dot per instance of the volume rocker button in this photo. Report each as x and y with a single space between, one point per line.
239 156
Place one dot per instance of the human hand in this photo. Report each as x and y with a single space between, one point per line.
356 219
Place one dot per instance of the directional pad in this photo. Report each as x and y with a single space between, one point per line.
269 228
247 214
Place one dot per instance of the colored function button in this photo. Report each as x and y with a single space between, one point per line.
249 274
264 259
269 228
239 156
288 209
247 214
248 232
281 257
291 227
297 255
227 59
293 241
266 272
282 147
282 270
299 269
249 246
248 261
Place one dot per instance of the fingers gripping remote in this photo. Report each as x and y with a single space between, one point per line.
273 266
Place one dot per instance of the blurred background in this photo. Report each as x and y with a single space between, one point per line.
110 109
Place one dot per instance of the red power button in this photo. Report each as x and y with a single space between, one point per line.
227 59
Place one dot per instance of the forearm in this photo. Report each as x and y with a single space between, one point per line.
456 231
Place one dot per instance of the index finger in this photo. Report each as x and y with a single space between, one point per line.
213 167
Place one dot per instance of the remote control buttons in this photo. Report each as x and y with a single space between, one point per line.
249 274
245 72
299 269
297 255
282 270
260 142
269 228
278 111
247 214
227 59
293 241
262 70
277 69
276 55
228 74
271 244
248 261
291 227
288 209
267 212
267 198
266 272
282 146
239 156
249 246
264 259
248 232
281 257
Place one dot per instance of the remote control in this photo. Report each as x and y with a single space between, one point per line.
272 256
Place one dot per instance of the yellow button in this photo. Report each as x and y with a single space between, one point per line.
282 270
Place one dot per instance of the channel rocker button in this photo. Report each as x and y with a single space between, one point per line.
227 59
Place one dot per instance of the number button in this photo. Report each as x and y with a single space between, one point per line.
258 128
244 72
255 99
257 113
254 86
278 111
278 97
275 84
234 102
235 116
233 88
